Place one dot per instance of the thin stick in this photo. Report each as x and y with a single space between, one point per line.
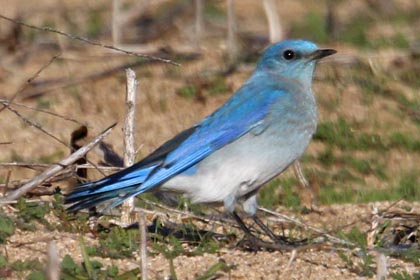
232 44
130 119
297 169
6 184
40 110
305 226
29 81
273 19
116 28
31 123
53 261
198 22
127 208
38 126
381 267
46 165
37 180
143 244
90 42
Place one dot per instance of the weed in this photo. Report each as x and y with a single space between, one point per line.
355 236
30 211
212 272
343 135
69 222
408 187
404 141
344 175
363 268
331 193
404 275
7 228
32 265
118 243
211 10
267 197
327 157
70 270
313 27
360 165
187 91
51 158
355 32
95 23
217 86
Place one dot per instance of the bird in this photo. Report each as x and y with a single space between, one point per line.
229 155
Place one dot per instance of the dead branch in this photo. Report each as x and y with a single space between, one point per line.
29 122
199 22
143 244
127 208
46 165
42 111
116 22
37 180
232 42
90 42
305 226
53 261
46 86
273 19
28 82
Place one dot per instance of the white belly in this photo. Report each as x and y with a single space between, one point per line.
240 167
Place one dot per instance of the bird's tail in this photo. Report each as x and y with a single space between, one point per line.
113 189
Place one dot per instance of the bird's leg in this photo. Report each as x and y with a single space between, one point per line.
254 243
265 228
242 225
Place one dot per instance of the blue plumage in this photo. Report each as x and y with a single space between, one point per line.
254 136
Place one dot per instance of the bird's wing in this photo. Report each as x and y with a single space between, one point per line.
246 110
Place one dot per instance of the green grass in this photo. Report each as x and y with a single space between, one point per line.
187 91
95 23
338 192
71 270
118 243
344 135
51 158
7 228
347 136
404 275
280 191
313 27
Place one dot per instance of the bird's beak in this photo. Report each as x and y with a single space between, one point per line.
318 54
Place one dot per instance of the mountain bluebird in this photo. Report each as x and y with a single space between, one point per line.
262 129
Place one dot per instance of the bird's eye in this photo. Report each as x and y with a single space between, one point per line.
289 54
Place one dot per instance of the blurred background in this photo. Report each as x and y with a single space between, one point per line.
365 154
367 147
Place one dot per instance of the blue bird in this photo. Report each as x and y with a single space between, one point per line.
262 129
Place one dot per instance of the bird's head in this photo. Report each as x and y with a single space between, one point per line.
292 59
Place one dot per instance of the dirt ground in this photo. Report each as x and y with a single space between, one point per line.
322 262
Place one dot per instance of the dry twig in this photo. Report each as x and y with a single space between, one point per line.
53 170
127 208
305 226
88 41
53 261
28 82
